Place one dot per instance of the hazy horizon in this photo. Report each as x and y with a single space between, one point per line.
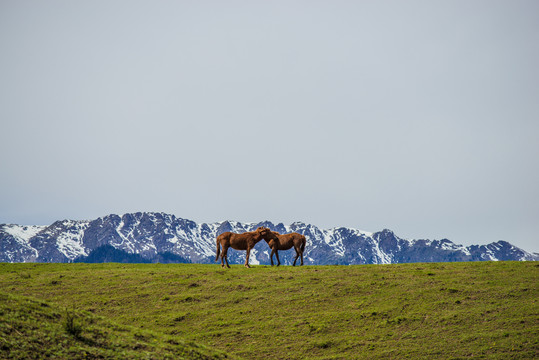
421 117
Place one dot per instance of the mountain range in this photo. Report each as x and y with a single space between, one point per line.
165 238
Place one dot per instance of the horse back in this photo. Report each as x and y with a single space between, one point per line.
241 241
286 241
224 237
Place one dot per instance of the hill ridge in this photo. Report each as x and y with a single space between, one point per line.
150 234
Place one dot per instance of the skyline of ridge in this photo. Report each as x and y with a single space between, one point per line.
71 238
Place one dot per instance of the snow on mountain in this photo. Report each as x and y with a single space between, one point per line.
158 236
15 242
23 233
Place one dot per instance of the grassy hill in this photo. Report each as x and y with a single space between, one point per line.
34 329
441 310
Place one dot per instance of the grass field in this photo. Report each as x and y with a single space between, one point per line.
407 311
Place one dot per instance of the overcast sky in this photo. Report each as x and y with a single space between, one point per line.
417 116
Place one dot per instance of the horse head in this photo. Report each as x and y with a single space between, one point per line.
268 235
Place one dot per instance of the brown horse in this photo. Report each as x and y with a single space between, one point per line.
285 242
245 241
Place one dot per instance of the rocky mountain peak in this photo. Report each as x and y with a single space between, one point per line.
154 236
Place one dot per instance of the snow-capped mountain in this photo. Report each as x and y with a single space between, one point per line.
159 237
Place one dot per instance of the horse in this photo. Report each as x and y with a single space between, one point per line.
285 242
244 241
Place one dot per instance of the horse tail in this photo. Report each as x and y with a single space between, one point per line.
303 242
218 249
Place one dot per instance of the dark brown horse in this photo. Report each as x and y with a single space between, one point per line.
285 242
245 241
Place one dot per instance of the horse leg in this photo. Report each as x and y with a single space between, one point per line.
301 254
297 255
277 256
247 257
221 254
271 257
225 255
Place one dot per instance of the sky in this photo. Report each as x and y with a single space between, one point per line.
417 116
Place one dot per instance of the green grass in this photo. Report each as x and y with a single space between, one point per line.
34 329
406 311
